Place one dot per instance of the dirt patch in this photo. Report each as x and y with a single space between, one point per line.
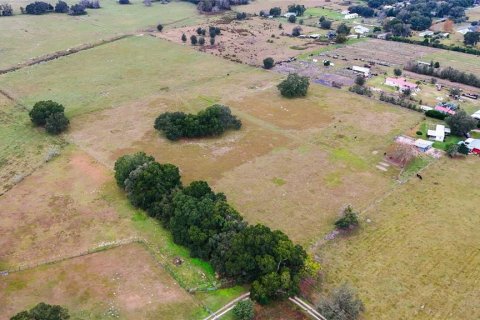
58 210
250 41
124 282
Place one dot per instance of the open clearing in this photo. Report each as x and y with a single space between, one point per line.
121 283
419 256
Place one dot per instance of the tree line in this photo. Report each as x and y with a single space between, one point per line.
447 73
40 7
205 223
212 121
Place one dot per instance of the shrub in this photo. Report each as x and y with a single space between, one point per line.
340 38
61 7
343 304
268 63
241 15
298 9
56 123
184 38
275 11
160 27
212 121
397 72
77 10
325 24
435 114
193 40
349 219
6 10
201 41
43 109
294 86
43 311
292 19
296 31
419 133
127 163
360 80
361 90
53 152
124 1
244 310
38 8
343 29
212 41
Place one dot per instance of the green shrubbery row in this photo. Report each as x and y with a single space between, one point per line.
204 222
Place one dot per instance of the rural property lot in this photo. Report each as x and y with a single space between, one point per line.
419 256
120 283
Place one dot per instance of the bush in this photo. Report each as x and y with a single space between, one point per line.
298 9
38 8
56 123
419 133
184 38
212 121
361 90
160 27
296 31
397 72
77 10
349 219
244 310
193 40
275 11
201 41
292 19
61 7
6 10
342 305
268 63
241 15
43 109
43 311
124 1
294 86
435 114
340 38
360 80
326 24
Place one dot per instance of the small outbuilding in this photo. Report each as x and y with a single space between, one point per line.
423 145
361 70
439 133
476 115
351 16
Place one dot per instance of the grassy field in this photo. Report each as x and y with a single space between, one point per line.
23 148
121 283
418 258
25 36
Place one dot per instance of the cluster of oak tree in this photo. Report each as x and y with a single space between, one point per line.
212 121
205 223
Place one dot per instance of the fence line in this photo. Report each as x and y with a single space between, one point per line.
156 254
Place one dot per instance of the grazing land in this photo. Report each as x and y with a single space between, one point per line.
124 282
418 257
25 37
294 165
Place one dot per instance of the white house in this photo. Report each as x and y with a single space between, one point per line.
361 29
439 133
363 71
351 16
